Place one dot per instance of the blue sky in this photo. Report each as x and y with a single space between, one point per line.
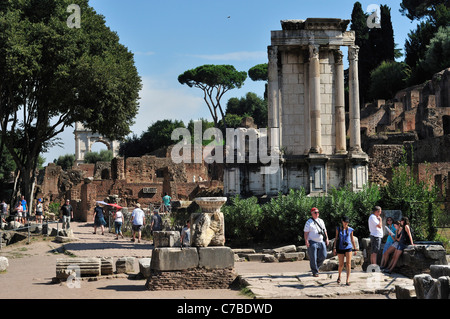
170 37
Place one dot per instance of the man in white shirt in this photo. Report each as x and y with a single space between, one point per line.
376 233
138 220
315 233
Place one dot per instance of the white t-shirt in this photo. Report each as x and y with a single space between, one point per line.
119 217
374 230
138 216
313 230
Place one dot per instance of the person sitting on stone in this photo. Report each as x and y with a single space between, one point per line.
403 242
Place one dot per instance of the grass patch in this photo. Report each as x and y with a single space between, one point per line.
247 293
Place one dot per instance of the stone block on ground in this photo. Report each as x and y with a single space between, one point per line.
215 257
125 265
84 267
107 266
423 284
241 251
166 239
437 271
291 256
269 258
254 257
144 267
168 259
405 292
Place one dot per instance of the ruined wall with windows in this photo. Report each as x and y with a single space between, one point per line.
144 179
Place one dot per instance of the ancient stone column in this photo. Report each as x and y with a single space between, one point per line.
314 89
341 147
274 97
355 132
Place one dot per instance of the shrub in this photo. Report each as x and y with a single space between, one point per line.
242 219
416 199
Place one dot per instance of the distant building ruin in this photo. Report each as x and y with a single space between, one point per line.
85 138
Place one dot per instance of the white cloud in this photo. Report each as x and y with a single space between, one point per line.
233 56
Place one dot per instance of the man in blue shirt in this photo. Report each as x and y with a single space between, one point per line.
23 202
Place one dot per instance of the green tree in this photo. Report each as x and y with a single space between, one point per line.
53 76
388 78
416 199
437 56
432 14
65 161
102 156
376 45
250 105
158 135
259 72
214 81
419 9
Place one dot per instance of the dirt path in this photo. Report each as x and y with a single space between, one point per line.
32 268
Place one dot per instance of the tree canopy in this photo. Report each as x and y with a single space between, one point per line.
214 81
53 75
157 135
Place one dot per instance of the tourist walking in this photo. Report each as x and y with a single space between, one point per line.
118 222
99 219
376 233
166 202
67 214
18 209
344 245
39 211
316 239
156 224
23 202
137 221
403 242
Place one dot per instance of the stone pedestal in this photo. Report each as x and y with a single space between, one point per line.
191 268
208 227
198 266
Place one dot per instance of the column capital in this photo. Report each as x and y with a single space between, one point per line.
353 52
338 57
313 51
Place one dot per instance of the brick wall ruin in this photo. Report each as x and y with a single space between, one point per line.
144 180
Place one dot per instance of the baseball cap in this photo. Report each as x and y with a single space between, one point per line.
314 209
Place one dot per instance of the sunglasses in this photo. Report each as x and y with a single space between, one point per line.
316 212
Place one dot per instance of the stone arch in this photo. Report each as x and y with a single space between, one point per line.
85 138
